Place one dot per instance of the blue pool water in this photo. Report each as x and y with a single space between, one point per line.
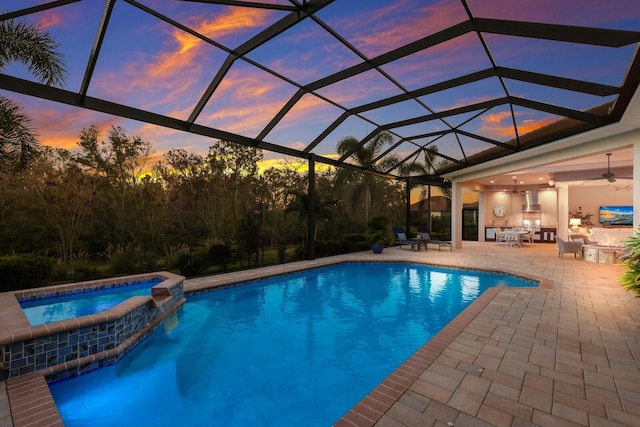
51 309
300 349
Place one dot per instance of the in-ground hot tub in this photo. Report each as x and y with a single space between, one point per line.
65 347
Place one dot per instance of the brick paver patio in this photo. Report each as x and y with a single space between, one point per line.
565 354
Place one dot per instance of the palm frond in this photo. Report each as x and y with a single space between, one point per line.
17 140
28 44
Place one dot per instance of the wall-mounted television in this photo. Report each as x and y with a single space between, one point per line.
616 215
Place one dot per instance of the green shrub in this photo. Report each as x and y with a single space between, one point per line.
83 273
630 279
355 237
220 255
320 249
441 227
362 246
282 252
59 272
336 247
24 271
123 259
173 253
194 263
122 263
301 252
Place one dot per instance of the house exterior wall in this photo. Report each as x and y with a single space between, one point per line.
513 204
590 198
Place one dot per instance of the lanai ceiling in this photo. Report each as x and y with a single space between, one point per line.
464 80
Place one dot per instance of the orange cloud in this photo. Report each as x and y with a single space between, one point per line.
497 124
187 48
500 125
49 19
60 128
256 99
243 120
527 126
298 146
175 73
232 21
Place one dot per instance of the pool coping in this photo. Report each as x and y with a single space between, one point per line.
17 321
30 399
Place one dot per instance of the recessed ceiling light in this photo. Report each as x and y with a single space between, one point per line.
492 181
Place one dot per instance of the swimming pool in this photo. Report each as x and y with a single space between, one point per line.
61 307
301 349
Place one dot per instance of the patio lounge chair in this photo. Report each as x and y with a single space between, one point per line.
428 240
401 239
574 248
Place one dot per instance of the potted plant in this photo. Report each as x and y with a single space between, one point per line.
378 232
630 279
585 219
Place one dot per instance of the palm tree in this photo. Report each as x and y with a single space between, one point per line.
302 204
428 167
421 168
37 50
364 157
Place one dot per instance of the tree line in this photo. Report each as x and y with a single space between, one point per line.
105 201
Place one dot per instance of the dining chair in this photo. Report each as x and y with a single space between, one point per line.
512 238
527 237
574 248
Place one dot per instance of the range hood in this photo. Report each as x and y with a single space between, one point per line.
531 202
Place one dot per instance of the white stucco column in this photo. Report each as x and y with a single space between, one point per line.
456 215
481 216
562 191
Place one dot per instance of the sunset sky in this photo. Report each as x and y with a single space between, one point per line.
148 64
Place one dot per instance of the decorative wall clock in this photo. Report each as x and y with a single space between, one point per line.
499 211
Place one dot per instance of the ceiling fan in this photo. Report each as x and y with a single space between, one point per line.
608 175
515 188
